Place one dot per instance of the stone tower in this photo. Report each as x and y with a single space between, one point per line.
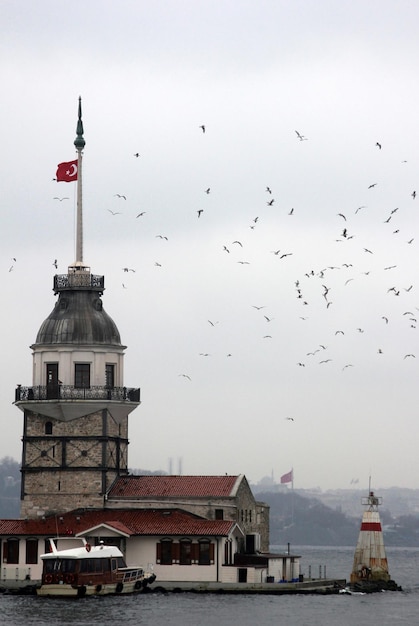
75 432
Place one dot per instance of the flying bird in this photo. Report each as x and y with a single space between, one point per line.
240 244
60 199
268 189
162 237
202 127
140 214
118 195
270 203
378 145
258 308
208 190
55 263
114 212
200 211
300 136
212 323
291 419
185 376
373 185
414 195
136 155
127 269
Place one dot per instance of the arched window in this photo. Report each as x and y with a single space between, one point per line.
165 552
205 552
185 555
31 550
48 428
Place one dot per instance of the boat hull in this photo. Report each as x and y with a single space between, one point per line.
80 591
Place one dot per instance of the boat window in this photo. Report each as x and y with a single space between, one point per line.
65 566
91 566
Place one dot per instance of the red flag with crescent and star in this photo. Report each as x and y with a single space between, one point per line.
67 172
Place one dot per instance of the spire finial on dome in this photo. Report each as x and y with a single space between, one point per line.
79 141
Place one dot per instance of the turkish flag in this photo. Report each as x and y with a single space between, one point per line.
67 172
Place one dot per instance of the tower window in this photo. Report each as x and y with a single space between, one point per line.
82 375
48 428
110 376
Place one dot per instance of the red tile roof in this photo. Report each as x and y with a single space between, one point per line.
174 486
130 521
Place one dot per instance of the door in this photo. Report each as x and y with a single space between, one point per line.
53 390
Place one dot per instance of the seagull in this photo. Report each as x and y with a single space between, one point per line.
118 195
127 269
291 419
140 214
200 211
373 185
162 237
342 215
270 203
60 199
185 376
157 264
414 195
226 249
55 264
366 250
268 319
406 355
348 365
378 145
385 319
202 128
258 308
208 190
240 244
291 211
301 137
268 189
136 155
212 323
114 212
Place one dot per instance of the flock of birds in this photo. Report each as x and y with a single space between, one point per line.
320 353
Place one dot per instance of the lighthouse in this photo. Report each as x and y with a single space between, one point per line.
75 413
370 568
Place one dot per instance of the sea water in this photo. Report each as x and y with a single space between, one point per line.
192 609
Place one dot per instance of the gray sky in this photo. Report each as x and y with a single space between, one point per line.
344 75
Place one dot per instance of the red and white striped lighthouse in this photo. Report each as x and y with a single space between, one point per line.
370 561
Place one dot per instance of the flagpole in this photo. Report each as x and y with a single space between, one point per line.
79 143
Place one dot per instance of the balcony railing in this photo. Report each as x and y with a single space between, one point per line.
69 392
79 280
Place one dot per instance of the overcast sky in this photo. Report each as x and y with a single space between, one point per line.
335 347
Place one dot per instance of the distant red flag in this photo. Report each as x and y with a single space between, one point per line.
67 172
287 478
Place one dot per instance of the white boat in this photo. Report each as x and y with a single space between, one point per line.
88 571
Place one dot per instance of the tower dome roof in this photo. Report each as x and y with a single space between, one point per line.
78 318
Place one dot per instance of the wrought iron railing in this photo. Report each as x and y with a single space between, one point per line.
79 281
69 392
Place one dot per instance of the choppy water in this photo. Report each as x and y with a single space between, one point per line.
188 609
